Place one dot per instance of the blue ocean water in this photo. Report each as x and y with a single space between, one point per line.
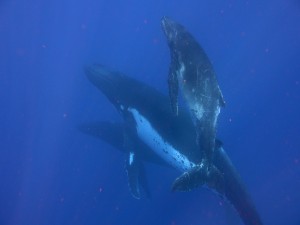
52 174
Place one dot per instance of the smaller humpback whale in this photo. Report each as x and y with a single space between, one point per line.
192 72
151 134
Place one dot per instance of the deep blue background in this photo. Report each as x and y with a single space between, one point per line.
50 173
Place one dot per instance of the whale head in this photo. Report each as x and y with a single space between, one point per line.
123 91
115 86
178 37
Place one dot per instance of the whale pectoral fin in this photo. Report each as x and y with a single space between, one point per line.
132 164
136 176
198 176
135 170
173 90
132 169
221 98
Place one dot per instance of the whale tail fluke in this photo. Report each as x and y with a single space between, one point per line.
198 176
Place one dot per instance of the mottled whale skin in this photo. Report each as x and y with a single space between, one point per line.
136 99
192 72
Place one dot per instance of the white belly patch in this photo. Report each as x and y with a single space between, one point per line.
162 148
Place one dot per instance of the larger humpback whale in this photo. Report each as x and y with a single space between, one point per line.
192 72
150 133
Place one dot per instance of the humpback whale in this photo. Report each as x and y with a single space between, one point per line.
151 134
191 72
148 121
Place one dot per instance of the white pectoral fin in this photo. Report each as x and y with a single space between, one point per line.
132 169
136 176
221 98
